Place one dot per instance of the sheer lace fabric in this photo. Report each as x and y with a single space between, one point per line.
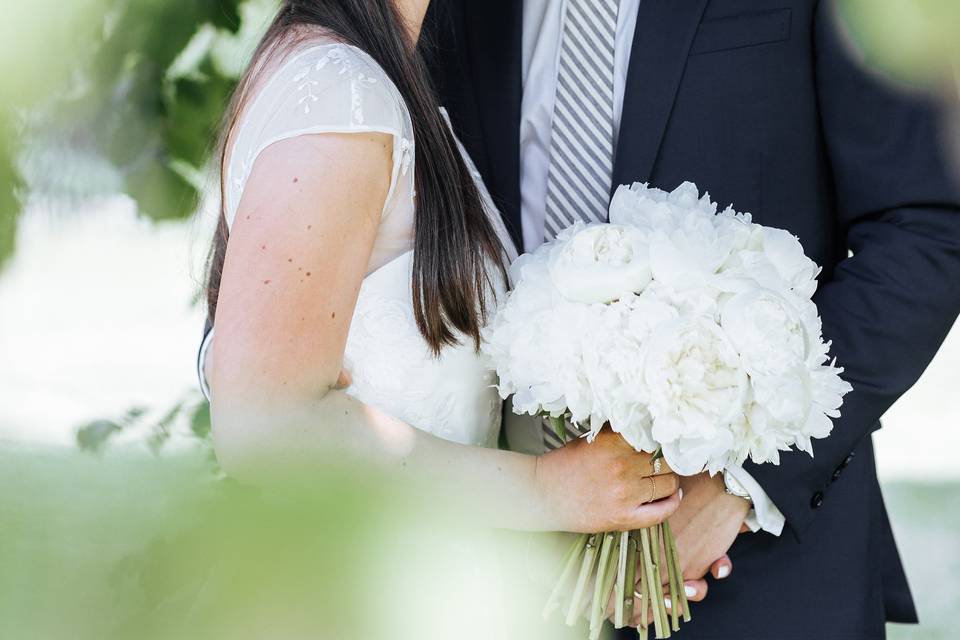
331 88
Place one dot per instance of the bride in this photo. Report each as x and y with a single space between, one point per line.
357 257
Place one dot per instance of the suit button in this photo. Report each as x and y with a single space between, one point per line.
836 474
846 461
817 501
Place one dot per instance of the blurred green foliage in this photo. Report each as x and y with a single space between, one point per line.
918 41
146 548
9 187
141 83
188 421
144 120
134 547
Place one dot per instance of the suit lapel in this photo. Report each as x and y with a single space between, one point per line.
495 40
661 44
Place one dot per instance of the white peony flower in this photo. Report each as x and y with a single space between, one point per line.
614 356
652 210
785 252
600 263
534 343
766 330
697 388
683 329
688 242
793 395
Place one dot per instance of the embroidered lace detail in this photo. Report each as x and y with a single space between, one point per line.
308 86
406 151
329 87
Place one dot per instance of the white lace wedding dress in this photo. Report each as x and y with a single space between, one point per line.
329 87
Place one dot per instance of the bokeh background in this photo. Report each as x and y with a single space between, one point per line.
108 109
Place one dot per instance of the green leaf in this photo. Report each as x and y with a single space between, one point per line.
93 436
162 430
10 185
200 421
194 110
161 192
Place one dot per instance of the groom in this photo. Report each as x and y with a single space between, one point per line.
764 104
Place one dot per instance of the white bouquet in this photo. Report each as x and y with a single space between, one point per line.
690 333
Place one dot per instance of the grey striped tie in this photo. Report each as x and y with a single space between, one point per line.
581 146
557 432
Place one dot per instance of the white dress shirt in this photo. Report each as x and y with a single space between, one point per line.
542 32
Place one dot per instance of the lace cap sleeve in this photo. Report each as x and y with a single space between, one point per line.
331 88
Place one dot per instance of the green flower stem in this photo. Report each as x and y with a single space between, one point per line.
586 569
655 549
570 563
559 428
673 557
673 583
619 604
611 576
643 629
630 579
601 592
648 542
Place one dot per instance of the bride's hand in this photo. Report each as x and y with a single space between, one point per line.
605 486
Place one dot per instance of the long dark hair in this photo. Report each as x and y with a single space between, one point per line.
454 240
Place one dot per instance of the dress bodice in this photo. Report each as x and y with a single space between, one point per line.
333 87
451 395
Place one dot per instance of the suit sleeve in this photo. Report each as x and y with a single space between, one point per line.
888 307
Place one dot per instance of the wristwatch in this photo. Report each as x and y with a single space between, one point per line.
734 487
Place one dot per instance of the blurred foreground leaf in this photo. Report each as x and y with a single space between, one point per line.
125 547
918 41
9 187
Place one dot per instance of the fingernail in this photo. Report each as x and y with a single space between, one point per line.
723 571
681 493
666 602
690 591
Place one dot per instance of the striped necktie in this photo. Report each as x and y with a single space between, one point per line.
581 145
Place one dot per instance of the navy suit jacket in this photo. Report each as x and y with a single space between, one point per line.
763 103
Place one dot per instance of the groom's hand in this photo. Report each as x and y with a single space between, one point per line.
706 525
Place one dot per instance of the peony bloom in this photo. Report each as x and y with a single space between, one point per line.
697 388
682 329
534 342
766 330
600 263
614 353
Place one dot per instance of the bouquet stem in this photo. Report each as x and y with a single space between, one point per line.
603 585
610 562
620 602
673 583
571 561
586 570
676 569
648 540
644 588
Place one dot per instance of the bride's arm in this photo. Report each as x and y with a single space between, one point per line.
298 252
